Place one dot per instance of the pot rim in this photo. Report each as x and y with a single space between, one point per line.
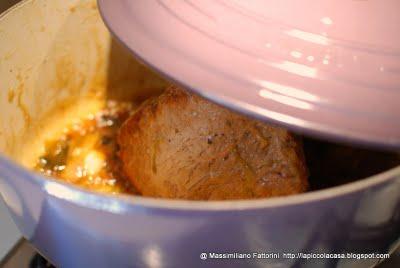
122 203
14 7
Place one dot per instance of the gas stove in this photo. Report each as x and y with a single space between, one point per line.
23 255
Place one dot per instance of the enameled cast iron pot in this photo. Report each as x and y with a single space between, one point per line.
56 55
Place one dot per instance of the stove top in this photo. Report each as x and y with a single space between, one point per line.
23 255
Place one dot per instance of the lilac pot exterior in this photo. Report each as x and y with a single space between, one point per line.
79 229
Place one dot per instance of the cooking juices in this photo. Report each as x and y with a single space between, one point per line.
86 153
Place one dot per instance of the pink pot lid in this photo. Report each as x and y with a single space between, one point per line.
329 68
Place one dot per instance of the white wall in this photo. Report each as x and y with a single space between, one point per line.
9 234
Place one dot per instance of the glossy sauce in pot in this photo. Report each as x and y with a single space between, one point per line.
86 153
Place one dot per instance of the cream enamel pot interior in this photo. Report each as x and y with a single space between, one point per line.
57 60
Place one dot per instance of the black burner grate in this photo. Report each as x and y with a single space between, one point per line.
40 262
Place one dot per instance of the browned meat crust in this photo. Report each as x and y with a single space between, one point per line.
180 145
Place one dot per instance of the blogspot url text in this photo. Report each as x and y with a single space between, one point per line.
289 255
